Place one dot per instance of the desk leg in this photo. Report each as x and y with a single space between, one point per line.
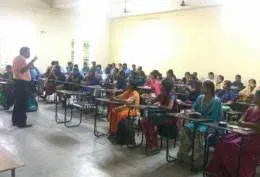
95 120
65 110
56 108
13 172
193 145
239 155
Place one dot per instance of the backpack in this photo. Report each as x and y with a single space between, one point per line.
31 104
125 134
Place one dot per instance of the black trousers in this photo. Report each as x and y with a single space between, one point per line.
19 116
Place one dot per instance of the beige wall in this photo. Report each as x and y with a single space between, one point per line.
31 22
219 39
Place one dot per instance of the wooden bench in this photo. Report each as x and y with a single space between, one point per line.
8 161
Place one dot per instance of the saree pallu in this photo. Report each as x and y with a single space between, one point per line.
225 159
119 113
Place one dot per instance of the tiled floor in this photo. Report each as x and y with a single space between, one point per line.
51 150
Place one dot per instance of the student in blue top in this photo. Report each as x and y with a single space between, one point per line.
85 69
126 70
209 107
227 96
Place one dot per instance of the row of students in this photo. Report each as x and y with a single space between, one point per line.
224 160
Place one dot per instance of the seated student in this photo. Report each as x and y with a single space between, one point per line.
99 70
195 91
69 67
108 69
187 78
8 89
209 106
53 81
85 69
50 68
121 80
219 82
113 67
227 96
237 83
225 158
170 75
211 77
246 95
195 75
8 74
154 83
166 99
140 76
74 77
35 77
126 70
91 78
75 66
120 66
130 96
35 73
94 66
134 70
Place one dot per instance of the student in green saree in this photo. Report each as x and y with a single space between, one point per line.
209 106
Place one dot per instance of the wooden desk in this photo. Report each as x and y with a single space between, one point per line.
8 162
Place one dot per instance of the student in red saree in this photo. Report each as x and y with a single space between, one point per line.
130 96
167 100
225 158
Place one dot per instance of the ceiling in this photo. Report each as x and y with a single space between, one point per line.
117 7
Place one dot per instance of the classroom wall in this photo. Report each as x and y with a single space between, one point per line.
221 39
33 23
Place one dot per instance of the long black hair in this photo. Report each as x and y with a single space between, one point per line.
167 84
133 84
210 86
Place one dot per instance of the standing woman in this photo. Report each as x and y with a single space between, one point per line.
22 79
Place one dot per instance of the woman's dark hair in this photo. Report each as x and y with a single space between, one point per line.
8 67
228 83
252 80
238 76
76 66
211 73
193 77
170 72
156 74
133 84
210 86
221 77
198 85
167 84
69 63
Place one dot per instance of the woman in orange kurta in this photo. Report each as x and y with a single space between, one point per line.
129 97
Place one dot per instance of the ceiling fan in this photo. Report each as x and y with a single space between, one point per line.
125 9
183 3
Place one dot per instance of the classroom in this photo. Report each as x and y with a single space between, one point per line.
123 88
